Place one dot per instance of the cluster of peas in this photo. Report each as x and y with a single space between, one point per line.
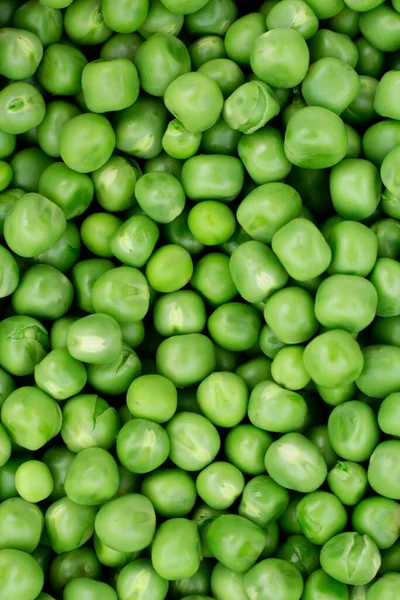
200 300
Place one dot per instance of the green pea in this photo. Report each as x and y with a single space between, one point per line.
263 155
386 586
332 84
88 421
280 57
212 278
126 524
169 268
245 447
205 48
84 24
351 179
7 477
377 517
371 61
274 574
90 588
108 556
321 516
65 253
390 559
134 242
178 142
211 222
6 175
319 584
23 344
8 142
379 376
21 52
97 231
142 446
235 541
121 45
69 525
152 397
213 177
226 73
387 231
139 578
340 558
294 14
60 375
381 27
83 276
263 501
315 138
163 163
241 35
250 107
235 326
9 273
270 344
195 442
30 417
7 386
175 551
288 368
290 314
58 460
353 430
327 43
114 184
22 108
354 142
274 409
22 577
115 378
220 484
86 142
95 339
301 553
171 491
127 16
45 22
92 477
220 139
161 196
384 277
199 583
118 78
383 468
5 447
361 111
78 563
354 249
160 20
319 435
214 18
254 371
71 191
61 69
388 415
179 312
296 463
27 168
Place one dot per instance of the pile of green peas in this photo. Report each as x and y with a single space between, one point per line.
199 300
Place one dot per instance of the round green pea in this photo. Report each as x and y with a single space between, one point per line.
321 516
301 553
88 588
250 107
169 268
195 441
178 142
272 575
385 277
348 481
60 375
115 378
114 184
245 447
350 180
71 191
83 276
68 524
21 52
179 313
354 249
379 377
161 196
97 231
58 112
220 484
160 20
152 397
295 14
381 27
320 583
60 71
22 577
92 477
24 342
388 415
84 23
134 241
212 279
119 80
223 399
329 43
351 558
140 578
121 45
82 562
290 314
139 128
378 518
383 469
262 153
9 273
95 339
214 18
240 36
211 222
142 446
65 253
205 48
288 368
175 552
274 409
171 491
353 430
235 326
212 176
263 501
46 22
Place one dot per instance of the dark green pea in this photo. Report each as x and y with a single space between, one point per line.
226 360
346 22
220 139
7 477
390 559
288 521
371 61
313 187
139 128
68 566
387 231
28 166
21 52
24 342
44 555
71 191
301 553
271 540
164 163
61 69
241 35
171 491
69 525
89 421
354 143
84 24
140 577
7 386
160 20
121 45
83 276
22 108
43 292
206 48
245 447
90 588
133 333
227 584
9 273
142 446
320 437
58 460
8 142
270 344
65 253
127 16
319 584
60 375
329 43
45 22
213 280
198 584
214 18
254 371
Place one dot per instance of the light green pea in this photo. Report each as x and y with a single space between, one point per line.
92 477
250 107
223 399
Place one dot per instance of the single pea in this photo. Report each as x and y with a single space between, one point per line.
178 142
274 409
371 61
319 435
83 276
84 24
321 516
377 517
195 586
63 254
280 57
175 552
8 142
263 501
31 417
58 459
220 484
295 14
346 302
235 326
169 268
121 45
71 191
139 577
223 399
263 155
212 278
27 168
329 43
390 559
381 27
44 21
126 17
212 176
22 577
214 18
301 553
139 128
92 477
340 558
320 583
379 376
126 524
114 184
361 111
383 468
274 574
115 378
296 463
161 196
68 524
385 330
118 78
90 588
60 375
171 491
353 430
250 107
388 415
354 249
235 541
346 22
386 586
290 314
195 99
134 241
109 557
387 231
21 52
205 48
211 222
354 142
97 231
254 371
160 20
6 175
351 179
80 430
226 73
61 69
142 446
152 397
24 342
179 312
241 35
9 273
195 442
82 562
288 368
7 477
95 339
384 277
269 343
245 447
220 139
